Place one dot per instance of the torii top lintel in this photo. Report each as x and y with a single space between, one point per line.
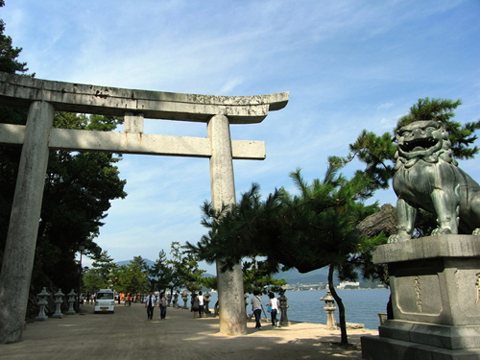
22 90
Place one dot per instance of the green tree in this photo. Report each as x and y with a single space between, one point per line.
9 157
160 274
209 282
77 193
185 268
101 275
257 276
132 278
308 231
8 54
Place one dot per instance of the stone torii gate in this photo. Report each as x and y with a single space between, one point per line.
37 137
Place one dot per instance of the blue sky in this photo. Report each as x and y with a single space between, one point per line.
349 66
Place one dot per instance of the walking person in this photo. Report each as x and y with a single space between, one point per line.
150 304
163 303
195 305
201 303
257 308
275 306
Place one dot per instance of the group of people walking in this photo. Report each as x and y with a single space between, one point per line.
198 301
273 308
198 304
151 301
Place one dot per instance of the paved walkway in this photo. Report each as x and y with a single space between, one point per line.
128 334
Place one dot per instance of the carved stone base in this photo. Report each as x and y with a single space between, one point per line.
381 348
435 288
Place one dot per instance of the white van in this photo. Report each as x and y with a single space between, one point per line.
105 301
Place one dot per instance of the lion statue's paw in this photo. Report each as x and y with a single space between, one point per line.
476 231
442 231
397 238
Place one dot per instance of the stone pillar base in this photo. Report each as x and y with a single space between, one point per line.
381 348
435 286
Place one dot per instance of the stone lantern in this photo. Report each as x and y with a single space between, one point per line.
58 303
175 299
283 308
71 301
330 309
185 298
42 301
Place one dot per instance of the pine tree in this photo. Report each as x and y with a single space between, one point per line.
8 53
309 231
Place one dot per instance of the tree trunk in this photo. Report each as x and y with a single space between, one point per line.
341 307
385 220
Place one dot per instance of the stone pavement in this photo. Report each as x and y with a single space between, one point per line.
128 334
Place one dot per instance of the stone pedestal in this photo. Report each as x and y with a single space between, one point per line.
435 288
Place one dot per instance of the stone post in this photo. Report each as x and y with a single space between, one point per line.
42 301
283 308
58 303
23 228
229 283
330 309
71 301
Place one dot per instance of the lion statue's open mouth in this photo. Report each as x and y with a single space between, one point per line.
419 145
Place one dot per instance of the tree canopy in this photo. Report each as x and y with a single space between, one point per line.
102 274
288 229
8 54
133 277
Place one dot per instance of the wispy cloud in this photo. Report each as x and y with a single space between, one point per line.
348 65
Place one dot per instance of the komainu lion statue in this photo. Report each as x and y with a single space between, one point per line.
427 177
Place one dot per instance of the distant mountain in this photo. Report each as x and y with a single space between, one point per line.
126 262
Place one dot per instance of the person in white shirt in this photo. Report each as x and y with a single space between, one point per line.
150 304
201 302
274 303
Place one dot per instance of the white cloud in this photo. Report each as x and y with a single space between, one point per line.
348 66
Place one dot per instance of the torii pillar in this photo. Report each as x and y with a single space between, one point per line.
229 283
37 137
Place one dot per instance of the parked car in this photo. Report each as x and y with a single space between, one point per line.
105 301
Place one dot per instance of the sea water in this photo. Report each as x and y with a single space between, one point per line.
361 306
